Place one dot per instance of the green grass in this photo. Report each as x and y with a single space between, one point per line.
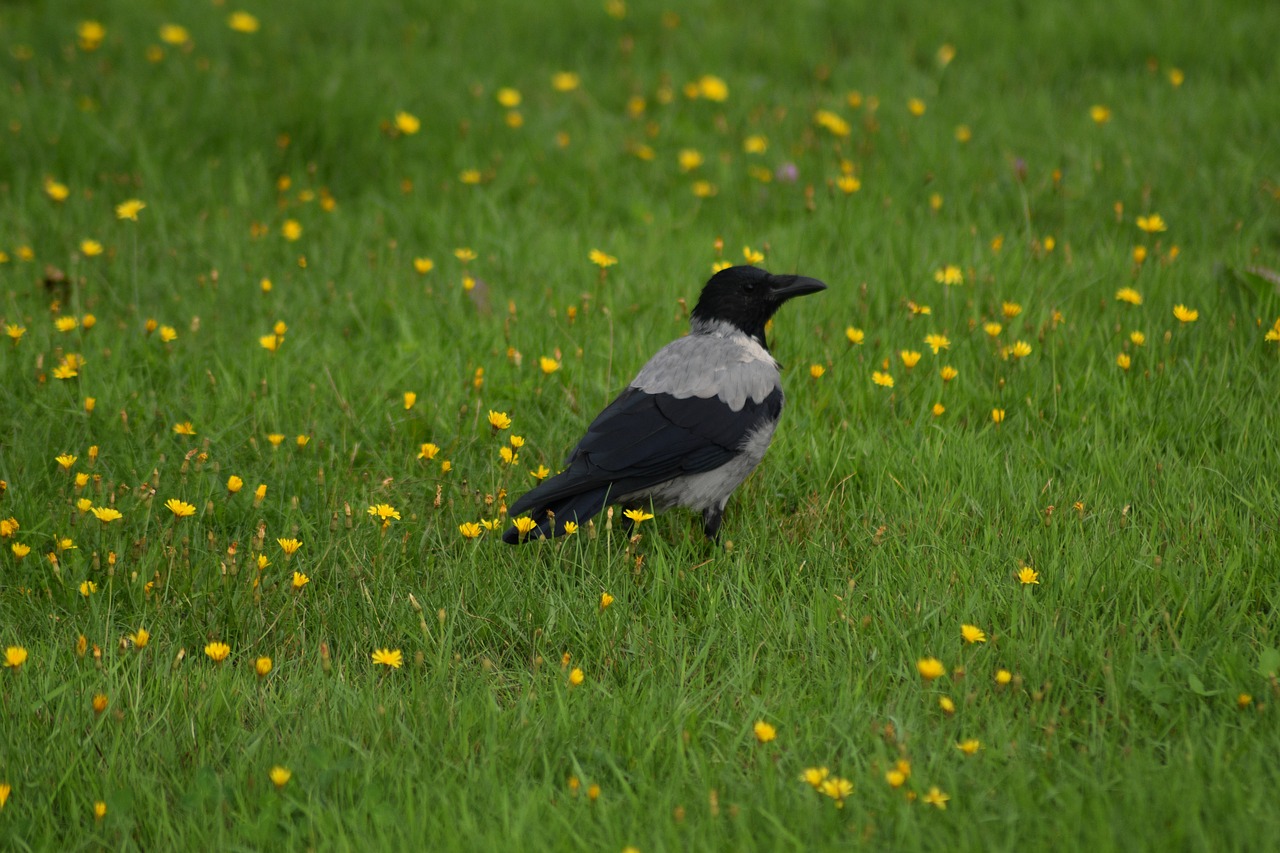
1147 499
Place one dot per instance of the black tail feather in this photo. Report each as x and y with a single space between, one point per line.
576 508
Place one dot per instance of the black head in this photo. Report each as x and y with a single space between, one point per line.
748 296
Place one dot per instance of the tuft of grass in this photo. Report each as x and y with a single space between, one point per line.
1127 696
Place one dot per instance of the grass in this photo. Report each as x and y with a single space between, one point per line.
1139 708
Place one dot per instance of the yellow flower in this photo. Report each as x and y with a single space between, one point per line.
508 97
84 504
499 420
100 701
15 332
973 634
275 438
713 88
755 145
56 190
854 335
66 324
938 410
243 22
300 580
234 484
764 732
90 248
916 107
935 797
271 343
950 274
1099 114
66 460
1185 314
993 329
815 776
565 81
637 516
106 514
407 123
895 778
937 342
570 528
1128 294
469 529
508 456
20 550
689 159
910 358
1003 677
884 380
280 776
291 230
1139 254
168 334
948 373
89 34
576 676
1020 349
184 428
389 657
99 808
706 189
262 666
970 746
837 789
1152 224
464 254
423 265
947 705
259 493
428 451
1010 309
1028 576
832 122
180 508
848 184
963 134
217 652
751 255
289 546
140 638
605 600
14 657
997 416
1123 361
130 209
930 668
601 259
174 34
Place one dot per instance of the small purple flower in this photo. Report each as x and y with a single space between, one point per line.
786 173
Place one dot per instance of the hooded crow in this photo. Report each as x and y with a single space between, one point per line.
691 426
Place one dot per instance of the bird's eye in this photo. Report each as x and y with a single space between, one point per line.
749 286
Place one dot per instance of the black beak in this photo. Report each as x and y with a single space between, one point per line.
785 287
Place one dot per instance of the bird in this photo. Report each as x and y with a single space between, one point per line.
693 423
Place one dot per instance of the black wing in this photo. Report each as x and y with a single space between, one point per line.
641 440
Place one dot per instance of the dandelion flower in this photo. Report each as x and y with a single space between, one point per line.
14 657
948 373
300 580
1028 576
289 546
816 371
469 529
428 451
262 666
280 776
184 428
997 416
910 358
895 778
1152 224
973 634
1003 677
570 528
565 81
499 420
15 332
19 550
180 508
970 746
576 676
836 788
930 668
66 460
937 342
601 259
884 380
243 22
637 516
140 638
217 651
814 776
100 702
384 512
130 209
1185 314
764 732
1129 295
99 808
407 123
388 657
1100 114
1123 361
548 365
106 514
854 335
605 600
935 797
949 275
234 484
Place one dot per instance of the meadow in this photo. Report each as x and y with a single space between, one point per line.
298 297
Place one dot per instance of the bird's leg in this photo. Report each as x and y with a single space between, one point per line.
711 518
